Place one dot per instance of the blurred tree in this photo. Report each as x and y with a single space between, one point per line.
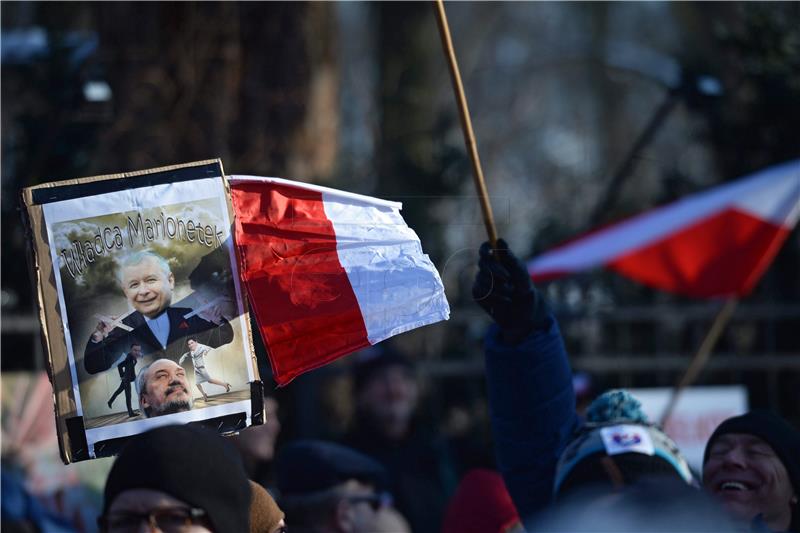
413 159
253 83
757 125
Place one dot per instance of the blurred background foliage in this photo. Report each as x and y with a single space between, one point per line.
357 96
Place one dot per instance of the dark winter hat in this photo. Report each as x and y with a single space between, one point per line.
191 464
374 359
308 466
618 446
775 431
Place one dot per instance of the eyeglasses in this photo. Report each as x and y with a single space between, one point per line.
376 501
174 520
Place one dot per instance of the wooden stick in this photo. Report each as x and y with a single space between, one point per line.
701 357
466 123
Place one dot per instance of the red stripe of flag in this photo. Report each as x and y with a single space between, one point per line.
714 243
697 261
299 292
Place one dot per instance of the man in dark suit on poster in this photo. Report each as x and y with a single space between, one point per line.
160 329
127 374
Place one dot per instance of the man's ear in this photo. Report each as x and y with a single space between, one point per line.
143 403
343 516
171 279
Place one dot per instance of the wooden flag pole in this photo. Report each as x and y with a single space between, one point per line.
701 357
466 123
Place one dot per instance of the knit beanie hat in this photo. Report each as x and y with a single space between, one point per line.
775 431
265 515
618 446
191 464
308 466
481 504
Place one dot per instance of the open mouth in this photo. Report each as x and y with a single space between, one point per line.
734 486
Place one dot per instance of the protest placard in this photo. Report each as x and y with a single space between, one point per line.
140 303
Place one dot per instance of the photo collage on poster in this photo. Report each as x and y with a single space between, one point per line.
153 316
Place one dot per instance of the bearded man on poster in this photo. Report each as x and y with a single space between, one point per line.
163 389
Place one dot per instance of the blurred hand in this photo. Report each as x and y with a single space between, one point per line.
504 289
102 330
219 312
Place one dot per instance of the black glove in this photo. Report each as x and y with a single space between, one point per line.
504 289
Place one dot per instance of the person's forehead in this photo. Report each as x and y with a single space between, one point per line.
164 365
142 500
743 439
353 487
146 265
390 370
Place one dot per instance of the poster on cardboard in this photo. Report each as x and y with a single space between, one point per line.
153 316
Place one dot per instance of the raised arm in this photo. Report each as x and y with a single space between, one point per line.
529 381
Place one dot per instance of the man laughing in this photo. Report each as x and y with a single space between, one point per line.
163 389
752 464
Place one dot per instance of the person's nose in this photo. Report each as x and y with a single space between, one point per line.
398 386
148 526
735 457
142 289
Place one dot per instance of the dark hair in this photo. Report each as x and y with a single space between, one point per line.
632 467
375 359
310 510
139 344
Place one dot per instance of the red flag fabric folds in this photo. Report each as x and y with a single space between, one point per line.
328 272
711 244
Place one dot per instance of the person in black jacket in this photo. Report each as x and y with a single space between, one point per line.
421 470
160 329
127 374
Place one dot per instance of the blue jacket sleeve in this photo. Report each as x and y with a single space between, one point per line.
532 410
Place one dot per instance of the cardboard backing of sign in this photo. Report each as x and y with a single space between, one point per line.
137 286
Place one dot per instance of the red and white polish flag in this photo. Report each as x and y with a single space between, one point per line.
714 243
328 272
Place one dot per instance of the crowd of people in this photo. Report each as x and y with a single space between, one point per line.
606 469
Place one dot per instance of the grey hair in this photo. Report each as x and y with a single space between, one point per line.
137 257
141 381
141 386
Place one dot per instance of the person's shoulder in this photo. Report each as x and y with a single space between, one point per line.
177 314
133 320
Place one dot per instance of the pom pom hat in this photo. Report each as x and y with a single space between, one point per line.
618 444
